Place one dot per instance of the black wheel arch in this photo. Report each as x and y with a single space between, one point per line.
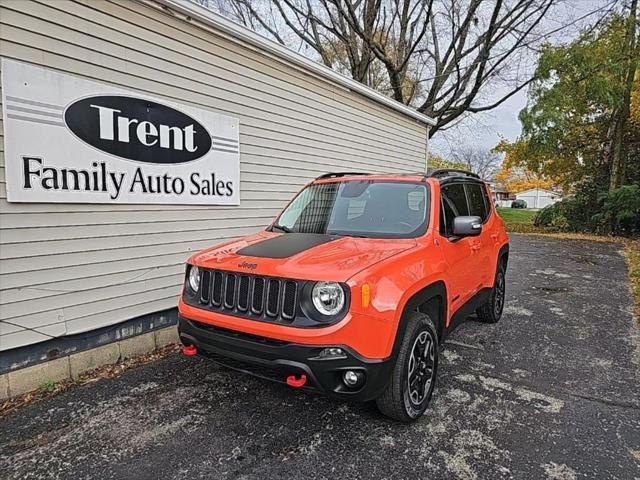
503 256
431 300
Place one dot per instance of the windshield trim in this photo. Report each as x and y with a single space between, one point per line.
420 231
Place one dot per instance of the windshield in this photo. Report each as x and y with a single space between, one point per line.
359 208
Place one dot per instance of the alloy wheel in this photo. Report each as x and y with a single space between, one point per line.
498 300
421 368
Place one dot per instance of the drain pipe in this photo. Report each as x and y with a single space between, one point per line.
426 153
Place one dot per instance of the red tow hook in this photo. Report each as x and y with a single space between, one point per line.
296 382
190 350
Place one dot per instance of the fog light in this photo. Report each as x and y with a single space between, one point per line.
352 379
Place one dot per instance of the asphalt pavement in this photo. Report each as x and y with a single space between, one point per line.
551 391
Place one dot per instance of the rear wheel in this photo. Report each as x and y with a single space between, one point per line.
413 378
491 311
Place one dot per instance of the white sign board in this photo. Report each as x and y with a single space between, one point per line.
73 140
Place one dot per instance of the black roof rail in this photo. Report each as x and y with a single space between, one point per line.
450 172
340 174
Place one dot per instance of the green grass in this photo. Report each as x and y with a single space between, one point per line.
518 220
47 387
516 215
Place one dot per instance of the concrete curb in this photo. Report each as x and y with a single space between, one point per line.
28 379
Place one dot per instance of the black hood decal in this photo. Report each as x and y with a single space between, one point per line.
286 245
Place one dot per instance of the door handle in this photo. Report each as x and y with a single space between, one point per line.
494 237
475 247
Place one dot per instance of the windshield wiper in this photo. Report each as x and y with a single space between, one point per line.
354 235
281 227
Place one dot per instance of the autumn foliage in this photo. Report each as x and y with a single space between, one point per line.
514 178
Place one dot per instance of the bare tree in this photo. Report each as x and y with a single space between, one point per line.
443 57
481 161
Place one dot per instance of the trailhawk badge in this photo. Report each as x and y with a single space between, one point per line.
73 140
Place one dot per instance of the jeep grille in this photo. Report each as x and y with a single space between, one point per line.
251 296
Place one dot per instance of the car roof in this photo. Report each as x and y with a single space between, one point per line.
348 176
438 174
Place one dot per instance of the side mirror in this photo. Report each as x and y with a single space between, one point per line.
467 226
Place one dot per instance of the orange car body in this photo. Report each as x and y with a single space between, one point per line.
384 276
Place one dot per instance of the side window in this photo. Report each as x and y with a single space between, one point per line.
477 205
487 200
446 217
454 204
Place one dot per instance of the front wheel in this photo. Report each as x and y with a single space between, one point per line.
491 311
414 375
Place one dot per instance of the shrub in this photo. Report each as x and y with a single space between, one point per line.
590 210
554 215
518 204
620 211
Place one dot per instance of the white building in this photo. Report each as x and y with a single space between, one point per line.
501 197
538 198
83 268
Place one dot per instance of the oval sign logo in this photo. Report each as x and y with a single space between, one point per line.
137 129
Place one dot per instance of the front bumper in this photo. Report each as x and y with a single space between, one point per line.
277 359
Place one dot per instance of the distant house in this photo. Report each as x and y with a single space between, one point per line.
501 197
538 198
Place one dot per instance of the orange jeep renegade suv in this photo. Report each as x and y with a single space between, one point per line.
354 286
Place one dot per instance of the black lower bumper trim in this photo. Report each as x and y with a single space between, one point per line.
276 359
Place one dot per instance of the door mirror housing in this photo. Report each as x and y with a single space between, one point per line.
467 226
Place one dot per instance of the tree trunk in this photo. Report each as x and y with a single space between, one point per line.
614 149
620 116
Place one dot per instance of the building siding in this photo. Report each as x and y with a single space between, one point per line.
70 268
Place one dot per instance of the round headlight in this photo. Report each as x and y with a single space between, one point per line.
194 278
328 297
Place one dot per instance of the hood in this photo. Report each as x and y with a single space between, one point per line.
301 256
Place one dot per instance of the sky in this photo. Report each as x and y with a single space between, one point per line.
485 130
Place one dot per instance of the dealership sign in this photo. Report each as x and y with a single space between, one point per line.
72 140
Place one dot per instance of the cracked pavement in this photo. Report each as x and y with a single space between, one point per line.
552 391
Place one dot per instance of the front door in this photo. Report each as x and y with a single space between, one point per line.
459 253
482 245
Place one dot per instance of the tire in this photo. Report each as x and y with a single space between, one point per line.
399 401
491 311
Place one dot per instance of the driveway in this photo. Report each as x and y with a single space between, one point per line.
549 392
